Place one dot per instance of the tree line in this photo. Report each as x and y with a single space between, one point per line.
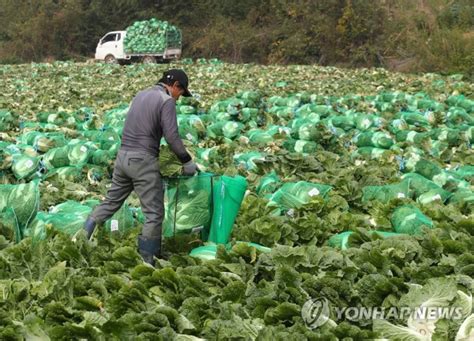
405 35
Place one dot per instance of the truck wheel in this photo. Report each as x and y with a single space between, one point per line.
149 60
110 59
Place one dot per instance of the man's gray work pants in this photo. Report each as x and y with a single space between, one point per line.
137 171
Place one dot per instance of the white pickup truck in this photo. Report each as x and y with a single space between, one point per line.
111 50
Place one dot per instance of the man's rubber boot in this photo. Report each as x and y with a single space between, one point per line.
89 226
149 248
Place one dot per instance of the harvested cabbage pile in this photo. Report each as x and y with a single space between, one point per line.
151 36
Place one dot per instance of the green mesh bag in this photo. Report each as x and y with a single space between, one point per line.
300 146
427 168
462 195
343 240
259 137
64 174
294 195
65 223
219 106
284 113
205 252
124 215
188 204
291 101
38 228
91 135
384 107
187 132
83 113
193 123
24 149
365 122
68 217
462 102
186 110
344 122
304 129
56 158
49 141
450 181
6 156
398 125
269 184
421 186
427 104
438 148
93 122
207 154
107 139
457 116
454 137
227 195
466 172
374 139
385 193
247 114
415 119
101 158
372 152
24 166
116 121
122 220
79 153
29 137
433 195
71 207
232 129
220 116
9 227
4 193
139 215
309 109
43 141
248 161
60 118
413 137
340 240
228 129
113 151
23 199
468 133
410 220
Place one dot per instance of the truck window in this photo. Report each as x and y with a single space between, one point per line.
109 37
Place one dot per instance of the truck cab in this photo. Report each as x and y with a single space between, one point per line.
110 47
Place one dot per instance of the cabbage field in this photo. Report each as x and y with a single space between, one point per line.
360 195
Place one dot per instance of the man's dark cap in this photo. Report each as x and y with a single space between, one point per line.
180 76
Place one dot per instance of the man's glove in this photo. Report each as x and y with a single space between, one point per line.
190 168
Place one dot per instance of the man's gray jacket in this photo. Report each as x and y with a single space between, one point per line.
152 115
